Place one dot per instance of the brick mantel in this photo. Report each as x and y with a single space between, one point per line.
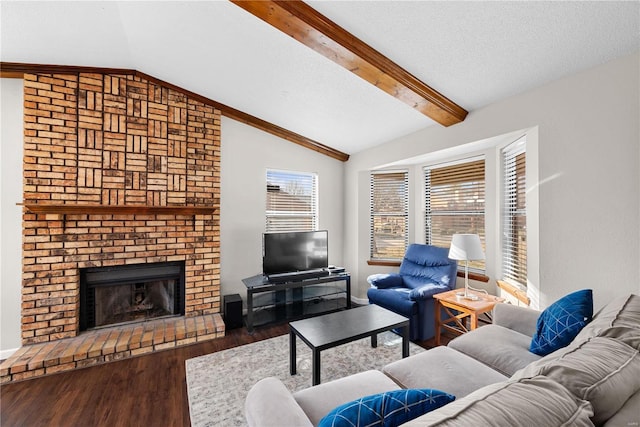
116 141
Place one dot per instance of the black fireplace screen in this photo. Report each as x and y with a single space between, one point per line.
130 293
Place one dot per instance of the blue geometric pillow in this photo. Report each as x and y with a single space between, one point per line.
387 409
559 324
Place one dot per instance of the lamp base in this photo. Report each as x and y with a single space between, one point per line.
470 297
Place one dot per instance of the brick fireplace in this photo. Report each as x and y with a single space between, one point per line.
118 170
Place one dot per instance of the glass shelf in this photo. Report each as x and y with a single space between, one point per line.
294 300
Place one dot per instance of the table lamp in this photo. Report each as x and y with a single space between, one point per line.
466 247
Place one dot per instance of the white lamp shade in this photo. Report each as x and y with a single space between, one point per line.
466 247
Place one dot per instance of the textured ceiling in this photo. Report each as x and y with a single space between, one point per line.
475 53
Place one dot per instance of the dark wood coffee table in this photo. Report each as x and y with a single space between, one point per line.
334 329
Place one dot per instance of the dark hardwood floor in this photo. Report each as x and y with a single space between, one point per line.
145 391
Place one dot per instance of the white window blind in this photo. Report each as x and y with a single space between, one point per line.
389 215
454 203
292 201
514 213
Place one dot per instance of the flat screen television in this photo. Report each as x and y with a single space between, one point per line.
294 251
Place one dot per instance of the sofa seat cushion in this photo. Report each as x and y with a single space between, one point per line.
604 371
269 402
318 401
502 349
559 323
390 408
442 368
537 401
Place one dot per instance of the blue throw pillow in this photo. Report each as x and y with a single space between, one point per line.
559 324
391 408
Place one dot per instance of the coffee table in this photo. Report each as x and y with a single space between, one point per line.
334 329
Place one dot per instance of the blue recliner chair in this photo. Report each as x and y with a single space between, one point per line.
425 270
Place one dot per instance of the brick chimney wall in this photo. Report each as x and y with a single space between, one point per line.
114 140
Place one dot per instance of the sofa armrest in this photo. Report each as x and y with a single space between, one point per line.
269 403
519 319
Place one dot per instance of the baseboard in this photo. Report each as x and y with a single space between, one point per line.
5 354
359 301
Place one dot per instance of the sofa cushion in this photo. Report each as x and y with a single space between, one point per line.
604 371
269 402
621 312
559 323
444 369
502 349
628 415
516 318
317 401
629 336
537 401
390 408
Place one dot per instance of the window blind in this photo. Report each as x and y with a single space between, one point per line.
292 201
514 213
454 203
389 215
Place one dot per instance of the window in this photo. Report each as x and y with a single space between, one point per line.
454 203
389 215
514 214
292 201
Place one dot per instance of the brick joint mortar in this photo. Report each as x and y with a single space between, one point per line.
114 140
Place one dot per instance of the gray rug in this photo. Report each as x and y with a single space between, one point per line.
218 383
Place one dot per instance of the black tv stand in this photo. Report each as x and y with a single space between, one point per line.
294 297
297 276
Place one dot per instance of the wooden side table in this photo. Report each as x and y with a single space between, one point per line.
466 308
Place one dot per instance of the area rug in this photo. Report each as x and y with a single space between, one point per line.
218 383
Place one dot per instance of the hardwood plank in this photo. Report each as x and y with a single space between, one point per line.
148 390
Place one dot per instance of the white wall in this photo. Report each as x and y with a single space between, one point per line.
246 155
589 187
10 215
588 184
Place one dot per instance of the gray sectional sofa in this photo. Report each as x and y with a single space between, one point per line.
497 381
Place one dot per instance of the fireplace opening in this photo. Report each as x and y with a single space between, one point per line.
130 293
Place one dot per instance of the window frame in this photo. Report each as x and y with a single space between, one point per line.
513 268
459 164
373 215
280 176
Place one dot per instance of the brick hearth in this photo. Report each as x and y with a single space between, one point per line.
108 142
109 344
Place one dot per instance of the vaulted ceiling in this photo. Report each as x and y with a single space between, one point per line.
474 53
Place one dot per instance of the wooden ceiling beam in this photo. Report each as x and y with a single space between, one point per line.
17 70
298 20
